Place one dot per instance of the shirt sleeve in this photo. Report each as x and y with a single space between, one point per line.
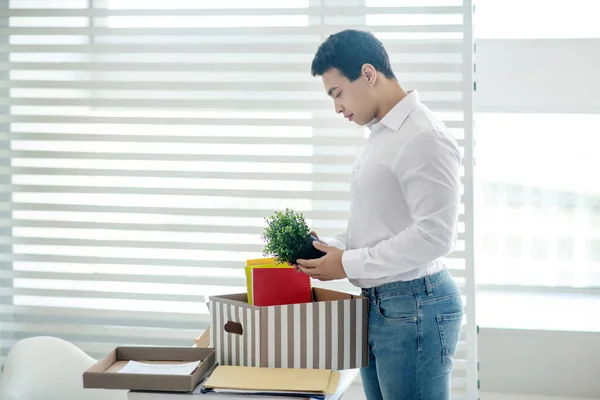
428 171
338 241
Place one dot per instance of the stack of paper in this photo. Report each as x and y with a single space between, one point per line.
291 382
155 368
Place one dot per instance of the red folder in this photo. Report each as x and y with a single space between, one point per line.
279 286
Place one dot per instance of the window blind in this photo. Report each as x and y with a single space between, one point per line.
143 143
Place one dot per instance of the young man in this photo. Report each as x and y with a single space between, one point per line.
405 188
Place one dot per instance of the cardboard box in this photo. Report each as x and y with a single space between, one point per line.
329 333
204 339
105 373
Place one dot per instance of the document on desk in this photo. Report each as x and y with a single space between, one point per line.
346 378
229 379
135 367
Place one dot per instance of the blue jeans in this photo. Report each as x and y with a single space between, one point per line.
414 328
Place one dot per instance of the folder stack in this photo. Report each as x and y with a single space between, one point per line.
276 382
269 284
257 263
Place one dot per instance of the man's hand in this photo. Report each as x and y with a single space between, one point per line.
317 236
320 241
327 268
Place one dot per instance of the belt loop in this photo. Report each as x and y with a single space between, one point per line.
428 286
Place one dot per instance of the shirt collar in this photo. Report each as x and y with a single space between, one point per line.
371 124
398 114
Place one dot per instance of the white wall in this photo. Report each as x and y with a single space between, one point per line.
541 75
538 362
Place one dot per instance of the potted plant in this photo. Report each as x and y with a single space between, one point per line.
287 238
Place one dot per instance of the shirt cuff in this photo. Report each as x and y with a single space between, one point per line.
353 262
331 241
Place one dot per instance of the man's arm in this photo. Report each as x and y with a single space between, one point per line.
428 170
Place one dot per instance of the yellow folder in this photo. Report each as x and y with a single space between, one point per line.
260 261
276 380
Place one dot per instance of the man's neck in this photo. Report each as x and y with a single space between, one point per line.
392 93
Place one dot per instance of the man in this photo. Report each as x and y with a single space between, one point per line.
405 187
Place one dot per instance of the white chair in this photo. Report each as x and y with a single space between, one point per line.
48 368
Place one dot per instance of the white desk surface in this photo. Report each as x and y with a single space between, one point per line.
346 379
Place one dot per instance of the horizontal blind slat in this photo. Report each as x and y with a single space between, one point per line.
315 141
352 141
293 67
323 160
260 194
300 120
168 262
258 104
149 244
315 213
262 47
106 83
118 317
314 11
108 332
89 294
175 228
139 278
276 176
243 31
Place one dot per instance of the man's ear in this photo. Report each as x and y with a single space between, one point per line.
369 73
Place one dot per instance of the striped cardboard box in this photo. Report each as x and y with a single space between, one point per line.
329 333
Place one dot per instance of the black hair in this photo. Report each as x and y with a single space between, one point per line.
348 51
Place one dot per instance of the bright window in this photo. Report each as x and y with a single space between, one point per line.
537 199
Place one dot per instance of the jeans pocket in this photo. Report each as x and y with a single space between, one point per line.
397 309
449 327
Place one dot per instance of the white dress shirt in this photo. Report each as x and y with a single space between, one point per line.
405 188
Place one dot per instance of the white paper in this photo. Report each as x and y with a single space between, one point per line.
134 367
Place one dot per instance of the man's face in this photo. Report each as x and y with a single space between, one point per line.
352 99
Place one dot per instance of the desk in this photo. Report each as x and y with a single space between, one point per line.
346 379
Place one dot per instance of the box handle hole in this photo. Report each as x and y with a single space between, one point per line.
234 327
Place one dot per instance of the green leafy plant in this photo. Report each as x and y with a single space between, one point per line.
285 236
